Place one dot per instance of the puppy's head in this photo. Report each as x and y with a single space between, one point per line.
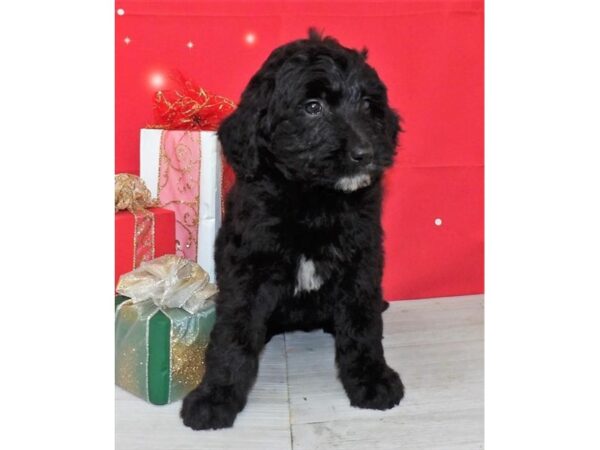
315 113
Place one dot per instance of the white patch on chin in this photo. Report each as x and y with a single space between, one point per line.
352 183
307 278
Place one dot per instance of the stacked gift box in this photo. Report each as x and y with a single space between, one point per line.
185 171
129 254
164 244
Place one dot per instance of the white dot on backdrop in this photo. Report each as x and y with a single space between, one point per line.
190 44
120 11
250 38
127 40
157 80
438 222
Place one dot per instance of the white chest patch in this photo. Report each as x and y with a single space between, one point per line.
307 278
350 184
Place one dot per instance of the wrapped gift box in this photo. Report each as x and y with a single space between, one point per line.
162 238
164 315
186 172
160 352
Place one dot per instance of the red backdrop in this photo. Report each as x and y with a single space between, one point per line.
430 55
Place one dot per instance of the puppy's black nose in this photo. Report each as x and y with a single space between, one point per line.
361 155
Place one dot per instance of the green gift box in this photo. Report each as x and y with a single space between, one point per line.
162 328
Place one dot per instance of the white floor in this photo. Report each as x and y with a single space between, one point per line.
437 347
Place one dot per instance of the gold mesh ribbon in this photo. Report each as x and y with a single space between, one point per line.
169 281
131 193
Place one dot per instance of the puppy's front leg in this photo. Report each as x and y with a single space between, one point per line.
231 359
363 371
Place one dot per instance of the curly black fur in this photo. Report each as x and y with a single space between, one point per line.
300 247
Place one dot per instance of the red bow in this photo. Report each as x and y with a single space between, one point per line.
189 107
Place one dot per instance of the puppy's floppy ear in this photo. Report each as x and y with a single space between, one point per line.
244 133
392 126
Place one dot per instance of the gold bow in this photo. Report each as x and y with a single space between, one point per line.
131 193
169 282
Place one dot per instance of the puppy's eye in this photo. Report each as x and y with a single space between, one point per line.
366 103
313 107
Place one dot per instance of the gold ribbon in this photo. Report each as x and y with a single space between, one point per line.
131 193
169 282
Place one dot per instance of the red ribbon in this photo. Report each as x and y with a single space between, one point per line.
189 107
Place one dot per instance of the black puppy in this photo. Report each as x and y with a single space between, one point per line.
300 247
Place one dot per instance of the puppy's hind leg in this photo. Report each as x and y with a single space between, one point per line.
231 360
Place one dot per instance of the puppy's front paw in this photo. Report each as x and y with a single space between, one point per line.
375 390
204 409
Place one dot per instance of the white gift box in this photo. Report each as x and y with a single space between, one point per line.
210 180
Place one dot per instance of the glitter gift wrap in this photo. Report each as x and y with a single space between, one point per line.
186 171
162 330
